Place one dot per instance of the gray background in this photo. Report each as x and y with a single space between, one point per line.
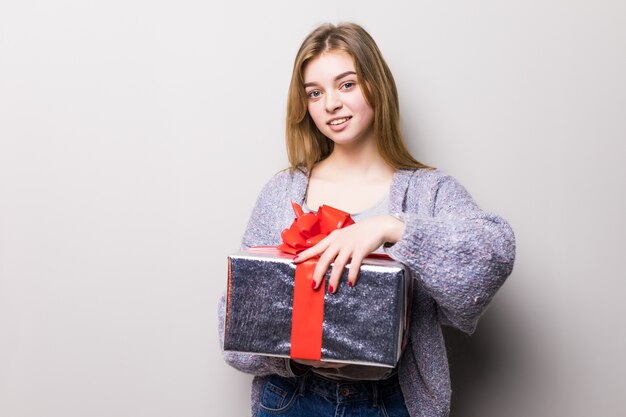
135 136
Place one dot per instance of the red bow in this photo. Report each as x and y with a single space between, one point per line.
308 229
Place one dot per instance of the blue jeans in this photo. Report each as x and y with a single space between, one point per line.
312 395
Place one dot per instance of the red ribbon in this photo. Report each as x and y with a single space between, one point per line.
306 231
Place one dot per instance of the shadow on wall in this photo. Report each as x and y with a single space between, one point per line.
489 368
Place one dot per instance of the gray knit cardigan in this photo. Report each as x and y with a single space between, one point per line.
461 256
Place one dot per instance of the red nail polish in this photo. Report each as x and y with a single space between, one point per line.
350 283
313 284
331 289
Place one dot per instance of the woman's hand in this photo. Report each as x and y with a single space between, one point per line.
351 245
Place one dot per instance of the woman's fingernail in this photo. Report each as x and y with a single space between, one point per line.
313 284
331 289
350 284
295 258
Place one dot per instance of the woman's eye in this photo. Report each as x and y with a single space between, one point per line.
348 85
314 94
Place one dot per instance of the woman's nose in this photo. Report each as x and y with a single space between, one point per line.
333 103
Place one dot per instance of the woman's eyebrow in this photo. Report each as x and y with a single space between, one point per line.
338 77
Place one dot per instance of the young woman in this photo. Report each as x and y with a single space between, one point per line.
346 150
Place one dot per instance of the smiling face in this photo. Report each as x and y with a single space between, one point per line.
335 100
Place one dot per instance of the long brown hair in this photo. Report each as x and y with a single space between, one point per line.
306 145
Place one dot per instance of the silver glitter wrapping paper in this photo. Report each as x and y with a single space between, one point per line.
362 325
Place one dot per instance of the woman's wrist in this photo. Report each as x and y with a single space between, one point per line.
395 228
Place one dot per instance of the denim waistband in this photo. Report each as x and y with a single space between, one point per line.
349 391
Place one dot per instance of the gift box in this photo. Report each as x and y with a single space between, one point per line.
269 313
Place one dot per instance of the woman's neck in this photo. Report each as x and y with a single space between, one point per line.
351 179
359 159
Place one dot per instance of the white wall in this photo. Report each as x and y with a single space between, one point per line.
135 135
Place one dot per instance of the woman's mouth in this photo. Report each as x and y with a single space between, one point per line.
336 122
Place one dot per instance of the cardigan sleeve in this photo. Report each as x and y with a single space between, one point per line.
260 231
461 254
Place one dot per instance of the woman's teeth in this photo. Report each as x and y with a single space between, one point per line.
339 121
